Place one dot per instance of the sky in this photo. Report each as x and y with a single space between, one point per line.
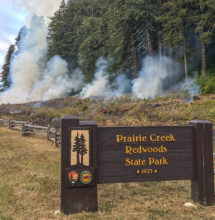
12 18
16 13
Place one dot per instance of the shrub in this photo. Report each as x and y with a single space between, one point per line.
207 84
85 107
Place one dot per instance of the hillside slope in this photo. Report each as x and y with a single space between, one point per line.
125 111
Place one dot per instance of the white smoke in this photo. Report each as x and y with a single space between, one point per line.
100 86
25 69
123 85
55 82
149 82
190 86
39 7
31 78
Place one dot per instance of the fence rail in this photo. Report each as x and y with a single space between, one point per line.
27 128
52 134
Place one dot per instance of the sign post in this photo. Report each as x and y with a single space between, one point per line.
78 166
94 155
202 187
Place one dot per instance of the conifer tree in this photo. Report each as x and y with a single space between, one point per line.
175 21
5 73
90 29
57 32
92 35
205 17
5 78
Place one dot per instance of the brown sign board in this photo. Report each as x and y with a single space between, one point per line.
136 154
94 155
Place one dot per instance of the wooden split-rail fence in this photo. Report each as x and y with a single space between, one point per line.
52 134
28 128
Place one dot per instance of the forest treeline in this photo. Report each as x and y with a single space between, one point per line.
125 31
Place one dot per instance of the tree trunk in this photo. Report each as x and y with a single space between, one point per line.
203 57
185 56
160 52
171 69
134 57
164 50
149 41
159 47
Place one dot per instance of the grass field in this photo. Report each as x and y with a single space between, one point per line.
30 188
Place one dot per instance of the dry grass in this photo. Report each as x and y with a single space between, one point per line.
124 111
30 188
29 177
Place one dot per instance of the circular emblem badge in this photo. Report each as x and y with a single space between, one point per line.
86 177
73 177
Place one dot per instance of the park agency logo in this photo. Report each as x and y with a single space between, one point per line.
86 177
73 177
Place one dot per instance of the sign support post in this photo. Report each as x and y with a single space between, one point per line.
78 181
202 187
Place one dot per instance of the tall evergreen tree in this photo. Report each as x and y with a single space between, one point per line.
205 17
5 78
89 29
175 22
57 31
92 35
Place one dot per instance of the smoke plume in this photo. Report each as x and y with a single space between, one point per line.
36 78
33 79
100 86
39 7
156 72
151 78
56 82
190 86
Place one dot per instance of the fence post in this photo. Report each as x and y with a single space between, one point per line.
76 195
58 138
55 138
202 187
23 130
11 123
48 133
30 129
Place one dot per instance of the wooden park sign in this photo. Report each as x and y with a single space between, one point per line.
94 155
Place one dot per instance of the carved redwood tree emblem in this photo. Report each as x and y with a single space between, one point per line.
80 147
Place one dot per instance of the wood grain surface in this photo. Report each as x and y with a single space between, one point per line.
112 155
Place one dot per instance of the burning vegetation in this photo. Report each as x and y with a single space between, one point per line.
109 49
124 111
